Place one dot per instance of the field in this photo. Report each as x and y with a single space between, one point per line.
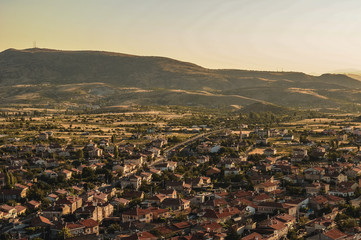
134 125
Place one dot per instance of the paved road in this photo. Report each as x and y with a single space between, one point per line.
169 150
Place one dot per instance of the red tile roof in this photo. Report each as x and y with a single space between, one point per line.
261 197
335 234
211 226
89 223
182 225
40 221
253 236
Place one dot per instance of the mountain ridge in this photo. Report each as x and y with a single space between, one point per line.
158 77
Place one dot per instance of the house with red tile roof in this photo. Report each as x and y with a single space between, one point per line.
272 227
138 236
20 209
220 215
159 213
263 197
266 187
8 211
120 201
213 171
214 203
253 236
157 199
32 205
40 221
169 193
271 207
314 173
287 219
66 173
137 214
176 204
91 226
333 234
75 229
211 227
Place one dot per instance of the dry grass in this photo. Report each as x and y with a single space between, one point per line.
306 91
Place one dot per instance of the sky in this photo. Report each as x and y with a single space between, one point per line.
312 36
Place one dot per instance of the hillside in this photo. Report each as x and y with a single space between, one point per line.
75 78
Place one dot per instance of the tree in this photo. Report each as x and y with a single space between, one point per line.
109 176
88 186
113 140
5 236
79 154
88 173
64 233
113 228
302 221
10 180
156 232
12 202
292 235
232 234
358 192
36 193
116 152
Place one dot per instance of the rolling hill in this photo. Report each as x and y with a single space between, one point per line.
87 78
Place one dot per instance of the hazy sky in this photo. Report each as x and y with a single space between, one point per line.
301 35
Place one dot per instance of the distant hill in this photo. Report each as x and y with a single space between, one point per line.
77 78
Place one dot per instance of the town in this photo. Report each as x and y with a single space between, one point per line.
178 174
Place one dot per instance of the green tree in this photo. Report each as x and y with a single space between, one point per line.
114 139
292 235
113 228
79 154
5 236
10 180
64 233
36 193
88 173
116 152
232 234
358 192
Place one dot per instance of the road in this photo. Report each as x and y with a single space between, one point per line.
170 149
